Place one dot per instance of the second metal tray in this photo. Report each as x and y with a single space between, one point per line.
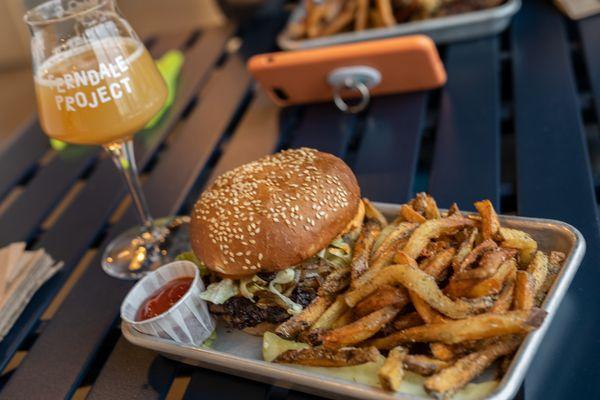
240 354
453 28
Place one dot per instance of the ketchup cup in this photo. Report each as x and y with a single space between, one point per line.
187 321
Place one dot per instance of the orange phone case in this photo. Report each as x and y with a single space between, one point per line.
408 63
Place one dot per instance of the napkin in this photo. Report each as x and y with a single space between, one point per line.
578 9
169 66
22 273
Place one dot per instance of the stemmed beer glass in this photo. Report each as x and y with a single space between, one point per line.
96 84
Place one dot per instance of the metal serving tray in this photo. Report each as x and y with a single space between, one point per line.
240 354
453 28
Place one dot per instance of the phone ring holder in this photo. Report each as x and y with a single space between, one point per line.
359 78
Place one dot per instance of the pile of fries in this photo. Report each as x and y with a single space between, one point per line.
441 294
328 17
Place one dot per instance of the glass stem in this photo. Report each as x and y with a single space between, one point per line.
124 158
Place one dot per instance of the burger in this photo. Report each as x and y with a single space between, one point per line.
270 232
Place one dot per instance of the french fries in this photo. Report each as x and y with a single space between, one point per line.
430 316
475 287
342 20
453 210
360 24
321 15
521 241
362 249
505 298
480 250
392 371
335 282
385 296
321 357
299 322
385 10
538 269
437 265
423 365
343 320
360 329
388 247
428 205
408 321
441 351
446 382
371 212
431 229
427 314
489 264
333 313
554 263
474 328
489 219
409 214
524 295
422 284
464 250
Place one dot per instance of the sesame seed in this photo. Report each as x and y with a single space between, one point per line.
232 212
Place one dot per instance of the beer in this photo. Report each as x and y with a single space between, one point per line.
98 93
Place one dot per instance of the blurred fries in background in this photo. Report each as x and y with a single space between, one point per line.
329 17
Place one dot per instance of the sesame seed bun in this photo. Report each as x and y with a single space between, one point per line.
273 213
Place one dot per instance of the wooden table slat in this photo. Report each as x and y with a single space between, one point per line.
257 135
324 127
22 218
554 181
589 31
386 159
207 384
122 377
466 163
79 225
21 156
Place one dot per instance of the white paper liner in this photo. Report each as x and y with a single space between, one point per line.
187 321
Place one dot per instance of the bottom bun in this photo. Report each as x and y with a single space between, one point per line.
260 329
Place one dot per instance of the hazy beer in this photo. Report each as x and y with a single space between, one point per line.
96 84
98 93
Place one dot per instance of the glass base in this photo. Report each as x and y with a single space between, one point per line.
138 251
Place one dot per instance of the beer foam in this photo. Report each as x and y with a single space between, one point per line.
105 48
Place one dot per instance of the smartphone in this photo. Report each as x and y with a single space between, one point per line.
405 64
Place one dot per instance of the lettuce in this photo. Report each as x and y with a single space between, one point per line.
248 286
284 277
220 292
190 256
338 253
208 343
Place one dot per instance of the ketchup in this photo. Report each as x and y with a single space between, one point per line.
161 300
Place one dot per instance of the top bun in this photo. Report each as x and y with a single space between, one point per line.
273 213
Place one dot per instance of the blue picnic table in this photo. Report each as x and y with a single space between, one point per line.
517 122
